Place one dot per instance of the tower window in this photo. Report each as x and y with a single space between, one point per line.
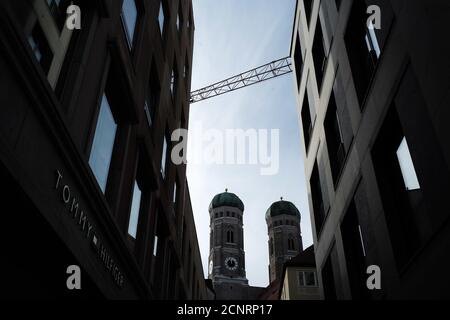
271 246
230 236
291 244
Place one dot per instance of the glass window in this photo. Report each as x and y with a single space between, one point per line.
164 158
335 141
310 279
155 246
307 279
407 166
298 60
135 209
102 147
161 18
319 54
129 16
372 41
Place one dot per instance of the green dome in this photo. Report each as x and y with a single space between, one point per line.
226 199
282 208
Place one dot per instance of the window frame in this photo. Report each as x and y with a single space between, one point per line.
301 274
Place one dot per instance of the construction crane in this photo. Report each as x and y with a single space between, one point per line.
266 72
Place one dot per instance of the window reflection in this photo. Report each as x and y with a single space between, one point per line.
102 147
407 167
135 209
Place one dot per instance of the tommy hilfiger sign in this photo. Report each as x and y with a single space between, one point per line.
81 219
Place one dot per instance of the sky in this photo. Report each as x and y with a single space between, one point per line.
231 37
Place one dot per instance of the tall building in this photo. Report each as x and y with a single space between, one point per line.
227 255
285 240
372 80
85 146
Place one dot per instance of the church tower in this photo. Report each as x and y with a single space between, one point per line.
227 256
285 240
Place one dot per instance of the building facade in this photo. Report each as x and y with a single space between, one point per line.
227 255
299 279
86 117
285 240
372 81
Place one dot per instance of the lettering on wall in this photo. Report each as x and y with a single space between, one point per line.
81 220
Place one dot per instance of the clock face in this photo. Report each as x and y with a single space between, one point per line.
231 263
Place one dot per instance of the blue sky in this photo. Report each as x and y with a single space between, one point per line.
233 36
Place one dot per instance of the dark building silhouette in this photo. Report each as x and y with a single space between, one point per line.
227 255
374 112
285 240
85 123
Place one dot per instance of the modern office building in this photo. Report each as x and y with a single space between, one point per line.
373 96
285 239
86 117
